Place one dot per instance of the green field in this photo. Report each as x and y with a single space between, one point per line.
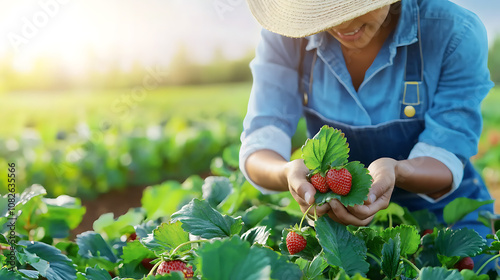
88 142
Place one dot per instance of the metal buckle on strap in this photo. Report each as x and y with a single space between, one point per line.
410 84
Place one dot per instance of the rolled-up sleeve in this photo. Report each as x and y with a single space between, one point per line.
274 107
454 120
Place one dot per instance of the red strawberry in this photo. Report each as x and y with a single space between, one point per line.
319 183
168 266
427 231
295 243
465 263
339 181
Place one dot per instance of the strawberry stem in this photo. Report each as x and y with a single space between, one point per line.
186 243
411 264
487 262
305 214
374 258
155 267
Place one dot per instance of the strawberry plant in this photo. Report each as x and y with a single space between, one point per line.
221 228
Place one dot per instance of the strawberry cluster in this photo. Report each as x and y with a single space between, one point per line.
338 181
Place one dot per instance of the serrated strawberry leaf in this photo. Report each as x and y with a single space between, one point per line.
198 218
410 239
91 245
257 235
341 248
57 266
461 207
441 273
374 242
312 248
135 251
281 269
5 273
166 237
313 270
96 273
327 148
391 262
361 184
216 189
458 243
233 259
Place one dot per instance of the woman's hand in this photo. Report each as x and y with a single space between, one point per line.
302 191
383 172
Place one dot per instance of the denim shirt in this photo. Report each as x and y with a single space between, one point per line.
456 80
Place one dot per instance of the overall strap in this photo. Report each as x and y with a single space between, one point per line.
414 76
300 71
303 91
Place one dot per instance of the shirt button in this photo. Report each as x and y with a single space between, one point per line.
410 111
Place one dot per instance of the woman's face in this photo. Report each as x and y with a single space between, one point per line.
359 32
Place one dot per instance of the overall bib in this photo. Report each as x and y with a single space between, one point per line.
395 139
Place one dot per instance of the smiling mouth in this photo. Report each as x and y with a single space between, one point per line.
353 35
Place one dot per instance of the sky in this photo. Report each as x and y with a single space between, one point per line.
81 33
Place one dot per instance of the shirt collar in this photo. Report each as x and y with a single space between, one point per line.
405 34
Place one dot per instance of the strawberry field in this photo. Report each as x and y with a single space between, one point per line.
199 218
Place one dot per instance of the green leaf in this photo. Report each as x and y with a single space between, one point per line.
171 276
392 210
231 155
391 262
257 235
163 200
312 248
165 237
361 184
219 168
281 269
63 214
216 189
5 273
374 242
255 214
111 228
59 267
135 251
410 239
313 270
198 218
341 247
193 183
471 275
233 258
425 219
434 273
92 245
459 243
29 273
96 273
327 147
460 207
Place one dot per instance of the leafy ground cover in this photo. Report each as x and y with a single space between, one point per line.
222 228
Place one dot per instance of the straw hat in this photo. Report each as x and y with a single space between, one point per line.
301 18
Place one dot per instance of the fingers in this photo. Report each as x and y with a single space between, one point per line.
342 215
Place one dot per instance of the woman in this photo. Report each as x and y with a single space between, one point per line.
404 82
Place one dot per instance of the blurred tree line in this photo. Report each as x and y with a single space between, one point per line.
48 74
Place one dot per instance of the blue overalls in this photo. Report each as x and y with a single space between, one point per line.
395 139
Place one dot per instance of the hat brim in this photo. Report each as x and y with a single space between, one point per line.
301 18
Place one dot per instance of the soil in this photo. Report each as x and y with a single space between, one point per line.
115 201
